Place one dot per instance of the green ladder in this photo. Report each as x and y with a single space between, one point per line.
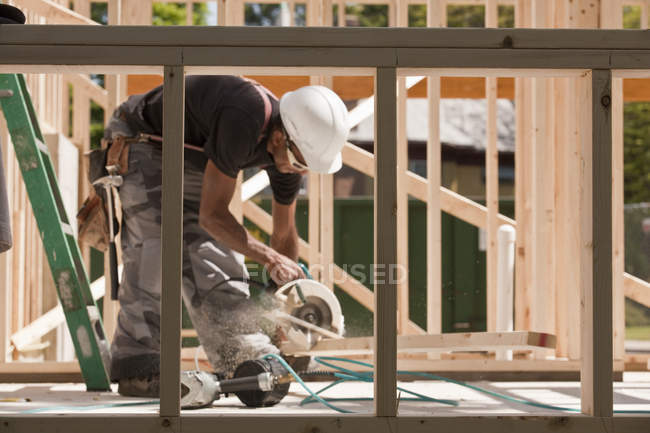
59 241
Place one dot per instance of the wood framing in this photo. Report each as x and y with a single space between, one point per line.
385 216
172 240
77 49
460 342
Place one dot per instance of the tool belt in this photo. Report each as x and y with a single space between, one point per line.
92 218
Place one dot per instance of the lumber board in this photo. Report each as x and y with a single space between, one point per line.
473 341
55 13
636 289
172 240
551 40
91 89
596 257
326 423
385 242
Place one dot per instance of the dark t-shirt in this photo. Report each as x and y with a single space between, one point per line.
224 115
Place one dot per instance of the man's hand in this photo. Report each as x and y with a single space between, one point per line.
283 270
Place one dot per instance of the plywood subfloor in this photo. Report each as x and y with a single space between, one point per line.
631 394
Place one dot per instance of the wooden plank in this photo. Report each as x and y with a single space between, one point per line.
491 180
400 10
450 202
151 422
49 320
385 227
172 241
462 342
56 13
580 42
637 289
596 269
436 17
89 88
613 18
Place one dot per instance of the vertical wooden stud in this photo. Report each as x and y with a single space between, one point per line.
523 171
172 240
116 88
596 257
385 242
436 17
491 179
189 13
612 18
221 12
401 10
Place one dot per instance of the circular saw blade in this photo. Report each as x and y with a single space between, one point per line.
321 307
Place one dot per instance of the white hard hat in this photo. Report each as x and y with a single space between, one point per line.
317 122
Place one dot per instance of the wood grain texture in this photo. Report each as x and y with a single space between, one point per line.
172 240
385 317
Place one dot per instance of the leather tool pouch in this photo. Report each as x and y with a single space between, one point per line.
92 218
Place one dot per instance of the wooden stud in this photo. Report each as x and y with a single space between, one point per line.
385 317
491 179
596 257
400 9
222 8
523 173
436 17
189 13
543 211
612 18
172 240
114 94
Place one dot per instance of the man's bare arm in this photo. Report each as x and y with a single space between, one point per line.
215 218
285 236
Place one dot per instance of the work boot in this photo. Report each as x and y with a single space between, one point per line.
140 386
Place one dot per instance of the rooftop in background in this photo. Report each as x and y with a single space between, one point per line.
462 123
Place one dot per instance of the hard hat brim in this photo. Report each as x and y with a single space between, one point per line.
325 167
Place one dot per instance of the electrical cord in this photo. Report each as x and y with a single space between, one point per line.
345 374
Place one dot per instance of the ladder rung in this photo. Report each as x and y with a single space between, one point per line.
42 146
6 93
67 229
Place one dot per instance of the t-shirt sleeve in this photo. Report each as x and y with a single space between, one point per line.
234 140
285 186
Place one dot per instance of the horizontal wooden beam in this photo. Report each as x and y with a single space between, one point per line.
474 341
511 41
636 289
47 367
238 423
78 47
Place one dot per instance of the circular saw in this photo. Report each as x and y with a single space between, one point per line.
308 311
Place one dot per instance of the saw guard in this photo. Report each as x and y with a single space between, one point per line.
288 294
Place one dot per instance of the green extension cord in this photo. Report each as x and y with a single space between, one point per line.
345 375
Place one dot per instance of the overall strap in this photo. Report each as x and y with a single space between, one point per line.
264 93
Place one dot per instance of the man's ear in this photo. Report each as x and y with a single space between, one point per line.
277 138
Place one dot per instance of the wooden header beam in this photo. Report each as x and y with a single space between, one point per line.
517 40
